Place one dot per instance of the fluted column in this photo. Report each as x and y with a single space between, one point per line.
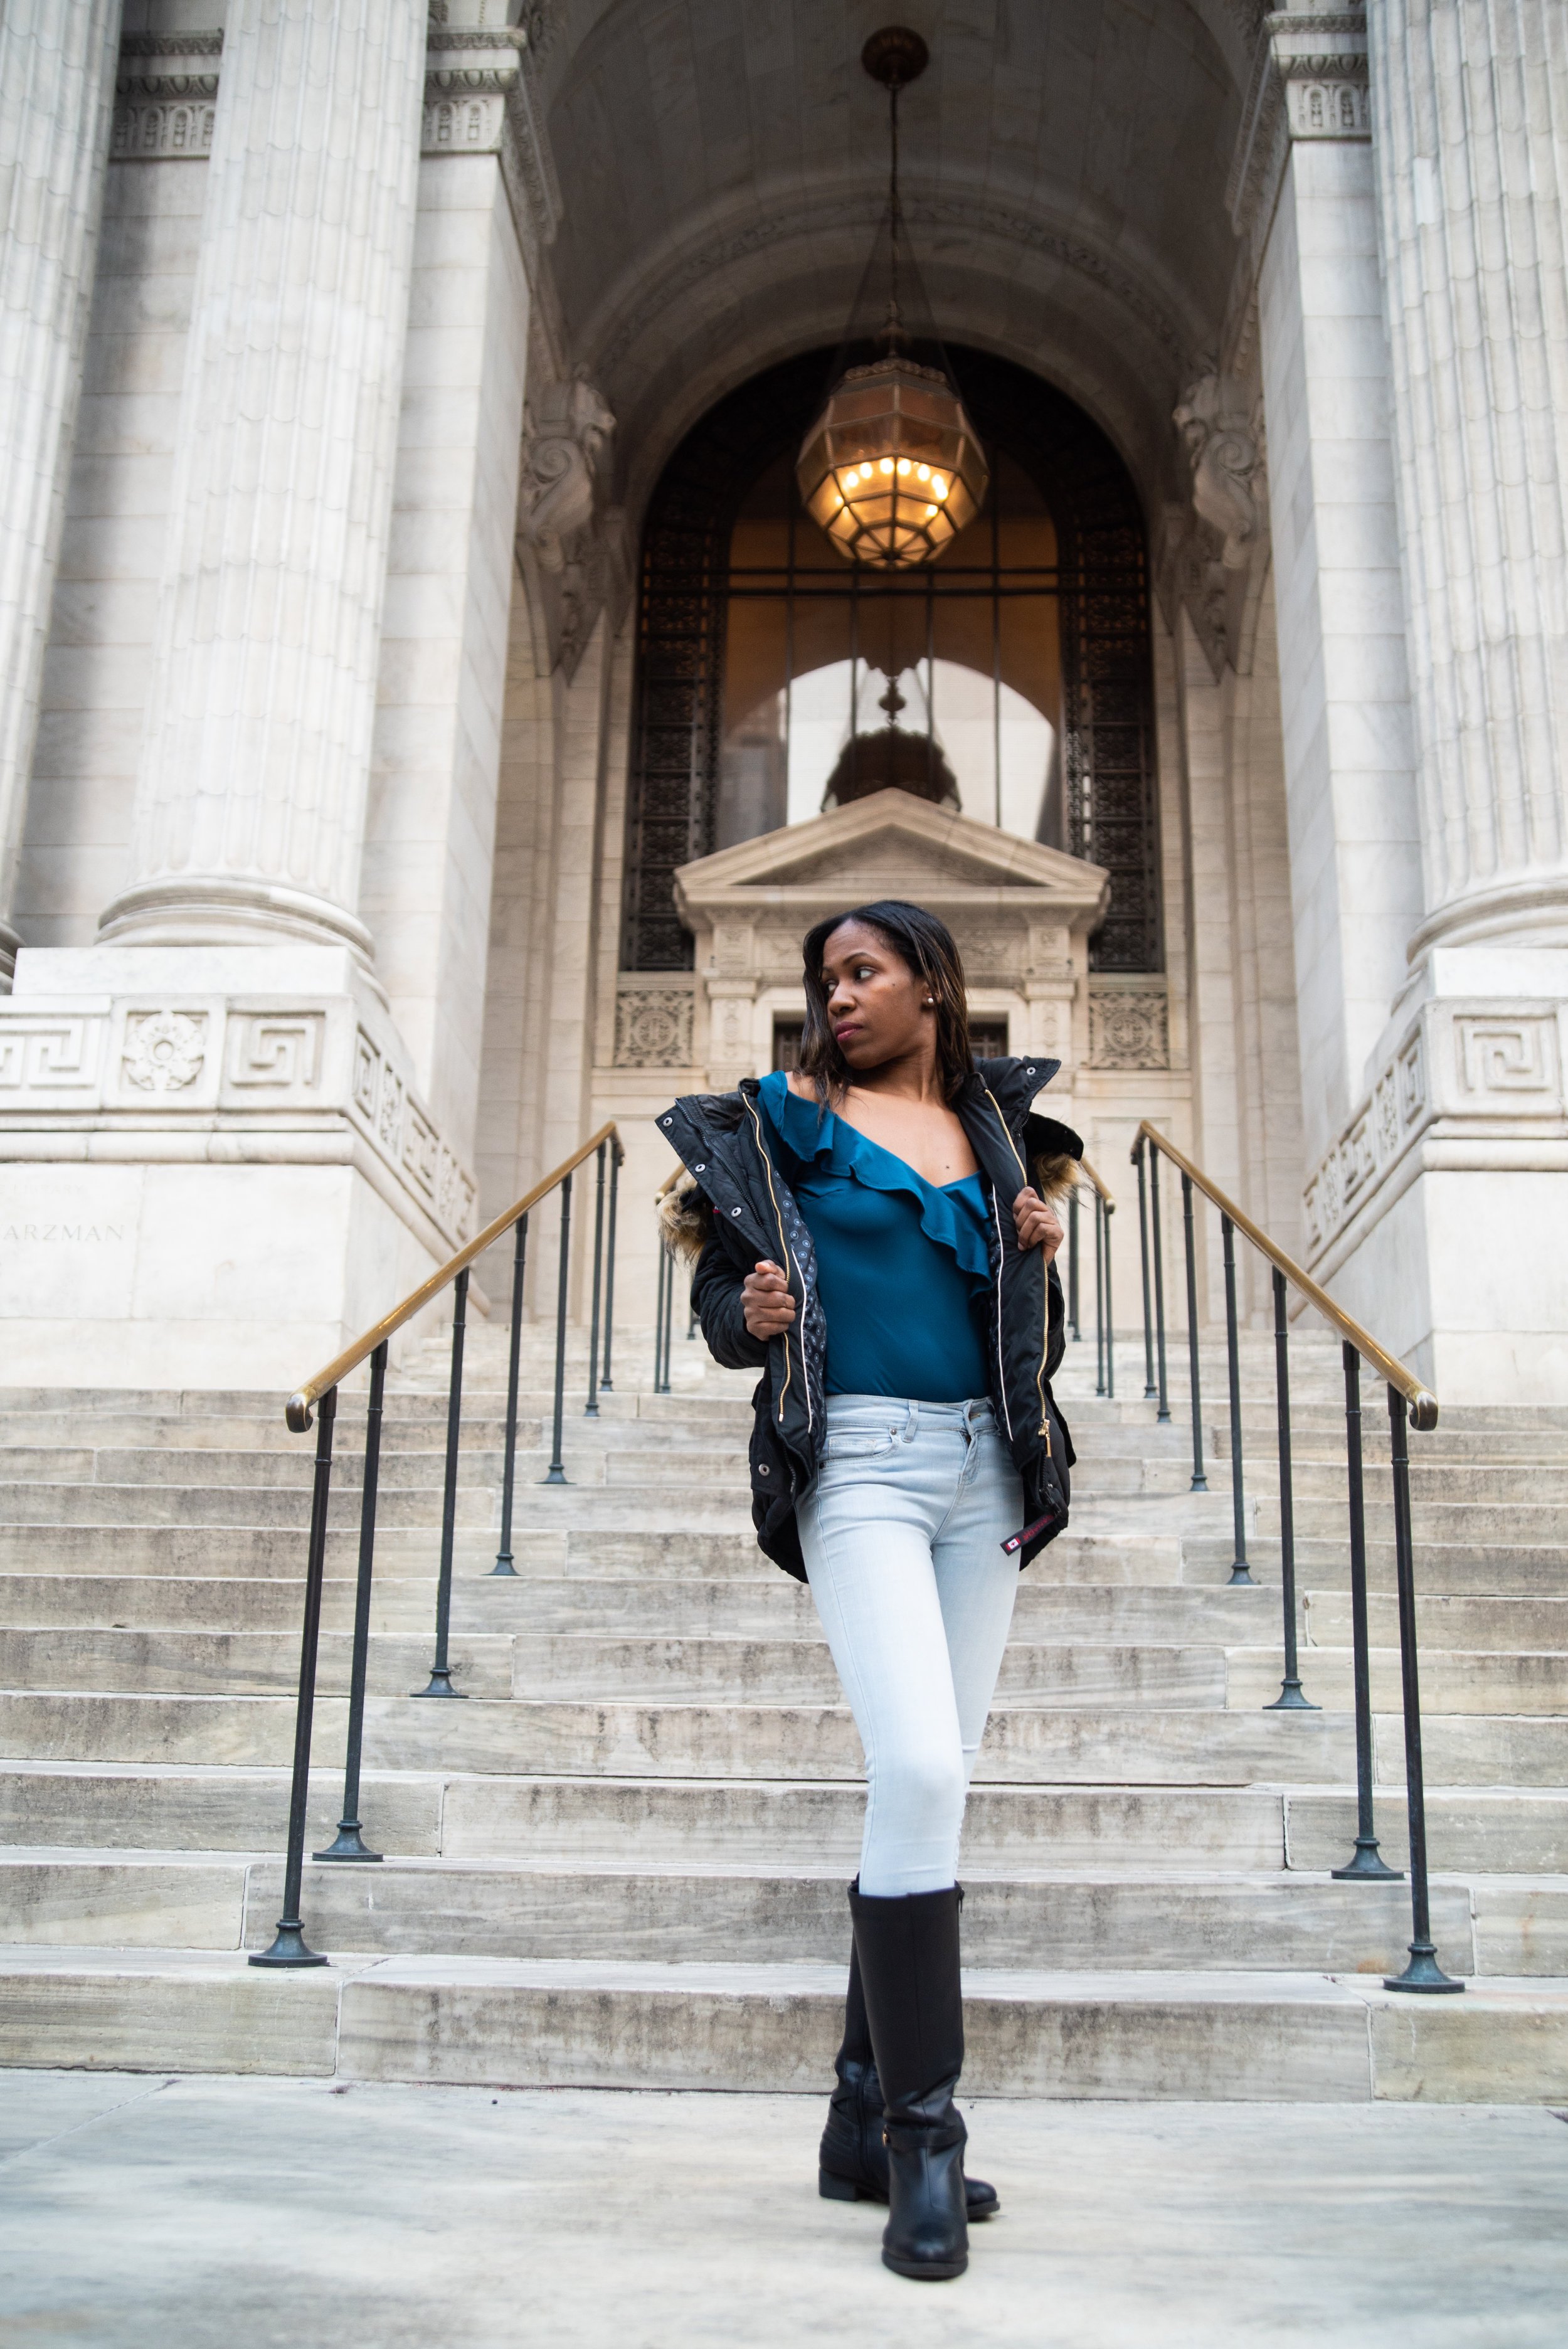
57 94
252 788
1470 121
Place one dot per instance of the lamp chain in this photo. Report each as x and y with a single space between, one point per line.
894 323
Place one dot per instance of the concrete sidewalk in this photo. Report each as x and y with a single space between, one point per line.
202 2213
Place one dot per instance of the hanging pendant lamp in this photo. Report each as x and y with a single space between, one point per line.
892 469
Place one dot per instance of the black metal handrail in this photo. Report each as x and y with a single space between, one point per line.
289 1947
1410 1403
1104 1207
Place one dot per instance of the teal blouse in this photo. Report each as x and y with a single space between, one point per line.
904 1266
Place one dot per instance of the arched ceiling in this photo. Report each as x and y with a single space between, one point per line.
723 164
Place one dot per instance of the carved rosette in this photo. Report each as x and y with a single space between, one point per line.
1129 1029
654 1028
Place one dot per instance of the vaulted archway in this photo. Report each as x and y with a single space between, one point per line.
1048 591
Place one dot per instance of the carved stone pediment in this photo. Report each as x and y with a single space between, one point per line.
1021 915
891 844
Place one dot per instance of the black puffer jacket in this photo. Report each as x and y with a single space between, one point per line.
737 1208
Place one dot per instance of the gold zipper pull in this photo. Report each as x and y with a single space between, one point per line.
1045 1432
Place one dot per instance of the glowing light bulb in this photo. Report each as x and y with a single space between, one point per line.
938 486
887 464
929 511
903 464
923 473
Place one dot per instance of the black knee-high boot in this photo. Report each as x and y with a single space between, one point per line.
851 2164
908 1952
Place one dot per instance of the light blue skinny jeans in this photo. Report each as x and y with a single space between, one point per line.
902 1534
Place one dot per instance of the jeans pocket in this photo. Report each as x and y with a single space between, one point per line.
859 1443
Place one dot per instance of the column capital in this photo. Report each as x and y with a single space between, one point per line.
1309 81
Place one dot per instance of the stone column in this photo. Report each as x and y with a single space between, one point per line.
1303 197
252 789
1471 144
1439 1203
56 93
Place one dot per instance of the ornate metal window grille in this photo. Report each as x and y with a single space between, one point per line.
1108 719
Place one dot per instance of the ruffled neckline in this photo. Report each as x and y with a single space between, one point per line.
813 1137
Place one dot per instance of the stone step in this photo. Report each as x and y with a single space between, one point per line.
584 1667
237 1663
1456 1568
1453 1681
236 1505
1085 1919
1479 1524
1102 1747
779 1824
654 1549
1503 1485
1457 1620
597 2024
1129 1745
485 1604
776 1824
1487 1830
281 1471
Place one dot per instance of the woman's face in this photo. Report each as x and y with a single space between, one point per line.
877 1008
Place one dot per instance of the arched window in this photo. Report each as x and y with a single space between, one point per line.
1010 678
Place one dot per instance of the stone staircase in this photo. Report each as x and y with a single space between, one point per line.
622 1860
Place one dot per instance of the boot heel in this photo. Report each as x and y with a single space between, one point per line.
836 2190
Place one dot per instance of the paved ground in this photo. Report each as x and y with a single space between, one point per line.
206 2213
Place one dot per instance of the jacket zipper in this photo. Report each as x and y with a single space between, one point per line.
1045 1428
789 1265
1001 1267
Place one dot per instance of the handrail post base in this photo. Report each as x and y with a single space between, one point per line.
348 1844
1292 1698
1424 1973
1367 1866
289 1949
441 1685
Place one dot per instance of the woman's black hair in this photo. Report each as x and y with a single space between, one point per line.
926 945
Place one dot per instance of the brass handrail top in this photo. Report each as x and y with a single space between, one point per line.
1423 1402
296 1411
1100 1186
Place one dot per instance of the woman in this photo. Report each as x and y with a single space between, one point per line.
876 1230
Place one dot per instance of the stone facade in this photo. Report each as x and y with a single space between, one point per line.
342 348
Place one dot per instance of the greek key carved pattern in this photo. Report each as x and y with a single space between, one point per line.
367 1072
1375 1137
1507 1056
400 1128
422 1151
275 1049
55 1055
